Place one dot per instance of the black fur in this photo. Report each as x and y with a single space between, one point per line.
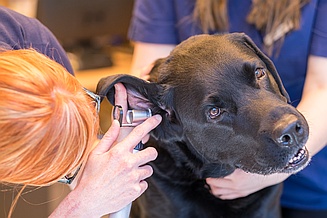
224 107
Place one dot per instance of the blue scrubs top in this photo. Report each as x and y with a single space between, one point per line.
171 21
20 32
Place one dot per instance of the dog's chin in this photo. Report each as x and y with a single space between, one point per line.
296 163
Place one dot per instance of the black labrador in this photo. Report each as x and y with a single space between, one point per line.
224 107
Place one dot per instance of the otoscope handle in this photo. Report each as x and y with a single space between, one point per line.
124 213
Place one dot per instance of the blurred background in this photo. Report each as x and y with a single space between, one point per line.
94 35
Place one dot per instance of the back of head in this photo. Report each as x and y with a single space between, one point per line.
47 122
274 19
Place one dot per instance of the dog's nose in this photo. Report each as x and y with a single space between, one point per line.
289 131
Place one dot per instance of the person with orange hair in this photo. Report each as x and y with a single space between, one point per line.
49 127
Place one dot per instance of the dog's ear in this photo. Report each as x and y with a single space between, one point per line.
270 65
145 95
141 94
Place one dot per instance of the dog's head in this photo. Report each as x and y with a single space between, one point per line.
221 97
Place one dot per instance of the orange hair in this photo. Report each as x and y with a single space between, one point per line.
47 122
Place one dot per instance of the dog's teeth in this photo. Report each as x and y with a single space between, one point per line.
299 156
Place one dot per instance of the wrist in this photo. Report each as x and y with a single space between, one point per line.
74 206
277 178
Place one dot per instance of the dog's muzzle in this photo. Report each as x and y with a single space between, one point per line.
290 131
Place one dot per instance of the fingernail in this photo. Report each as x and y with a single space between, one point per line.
116 122
158 117
117 87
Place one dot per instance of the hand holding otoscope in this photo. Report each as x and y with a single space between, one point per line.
132 119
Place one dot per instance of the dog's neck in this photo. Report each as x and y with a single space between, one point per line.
182 159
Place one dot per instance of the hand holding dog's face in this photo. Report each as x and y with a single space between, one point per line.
223 99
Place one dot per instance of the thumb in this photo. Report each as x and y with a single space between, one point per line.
108 139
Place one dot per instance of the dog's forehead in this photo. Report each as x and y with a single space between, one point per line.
207 57
202 66
223 48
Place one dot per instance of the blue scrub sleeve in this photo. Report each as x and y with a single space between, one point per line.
20 32
319 32
158 26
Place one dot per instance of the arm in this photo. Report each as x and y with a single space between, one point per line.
145 54
313 106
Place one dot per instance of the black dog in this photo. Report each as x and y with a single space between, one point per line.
224 107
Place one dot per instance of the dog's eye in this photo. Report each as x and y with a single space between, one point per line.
260 72
214 112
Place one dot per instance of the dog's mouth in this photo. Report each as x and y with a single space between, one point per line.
298 161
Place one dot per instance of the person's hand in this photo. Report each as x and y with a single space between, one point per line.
241 184
113 176
121 100
128 170
144 73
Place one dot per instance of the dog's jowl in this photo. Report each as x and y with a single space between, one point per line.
224 107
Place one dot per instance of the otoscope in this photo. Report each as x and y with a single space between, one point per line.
133 118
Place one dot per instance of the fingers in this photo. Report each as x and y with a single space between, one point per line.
146 155
221 189
146 139
145 172
229 195
145 71
225 193
120 95
141 131
143 186
218 182
121 98
239 184
108 139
